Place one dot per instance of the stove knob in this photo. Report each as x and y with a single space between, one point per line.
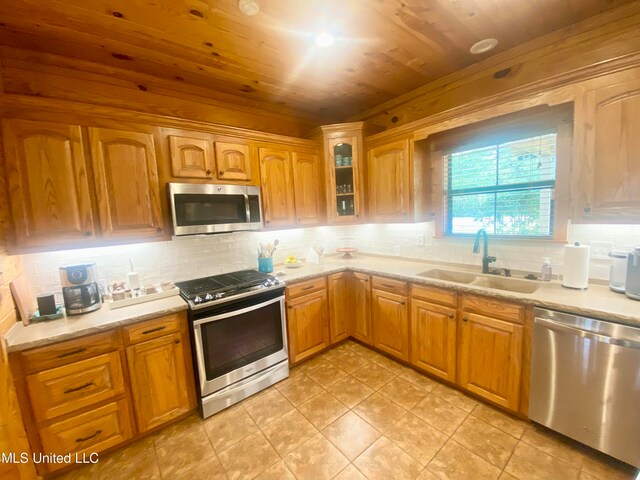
197 300
208 297
219 295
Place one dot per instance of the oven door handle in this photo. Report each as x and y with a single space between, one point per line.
235 313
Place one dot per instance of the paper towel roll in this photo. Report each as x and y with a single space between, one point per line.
576 266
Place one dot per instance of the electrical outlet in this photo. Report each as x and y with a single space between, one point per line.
420 240
396 250
600 250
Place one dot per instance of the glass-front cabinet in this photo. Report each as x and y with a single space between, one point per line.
343 151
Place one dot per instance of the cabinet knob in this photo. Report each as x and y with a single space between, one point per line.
451 315
87 233
403 303
177 341
208 172
221 173
289 307
587 210
267 221
465 319
159 229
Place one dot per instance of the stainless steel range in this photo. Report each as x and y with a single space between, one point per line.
239 335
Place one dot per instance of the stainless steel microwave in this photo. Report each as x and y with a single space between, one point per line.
207 208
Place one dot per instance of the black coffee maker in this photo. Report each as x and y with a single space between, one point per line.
80 288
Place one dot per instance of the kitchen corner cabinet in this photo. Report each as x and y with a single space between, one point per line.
340 308
361 300
126 179
389 182
191 157
307 319
47 184
291 193
343 147
390 317
607 167
490 349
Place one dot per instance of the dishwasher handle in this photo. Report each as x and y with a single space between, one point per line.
598 337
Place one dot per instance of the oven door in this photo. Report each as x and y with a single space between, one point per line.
206 208
237 343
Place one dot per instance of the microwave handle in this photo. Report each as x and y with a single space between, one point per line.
246 207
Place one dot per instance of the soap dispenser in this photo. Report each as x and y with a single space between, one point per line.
545 271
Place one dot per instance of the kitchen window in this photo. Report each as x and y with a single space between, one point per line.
507 176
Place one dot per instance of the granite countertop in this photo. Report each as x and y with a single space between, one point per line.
22 337
597 301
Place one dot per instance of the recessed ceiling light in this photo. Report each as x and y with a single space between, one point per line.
324 39
483 46
249 7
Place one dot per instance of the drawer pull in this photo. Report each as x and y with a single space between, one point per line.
308 288
157 329
75 389
388 286
84 439
71 352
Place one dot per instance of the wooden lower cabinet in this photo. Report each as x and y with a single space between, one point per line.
339 305
490 358
390 323
361 300
158 380
433 339
308 325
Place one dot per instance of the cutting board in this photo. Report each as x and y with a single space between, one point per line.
23 298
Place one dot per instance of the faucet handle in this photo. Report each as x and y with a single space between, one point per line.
491 259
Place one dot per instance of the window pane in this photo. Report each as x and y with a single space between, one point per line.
526 161
524 212
471 212
473 168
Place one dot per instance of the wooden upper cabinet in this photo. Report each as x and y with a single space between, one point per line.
389 182
490 358
126 178
191 157
607 164
390 323
340 306
47 183
307 188
159 380
277 194
361 300
433 338
233 162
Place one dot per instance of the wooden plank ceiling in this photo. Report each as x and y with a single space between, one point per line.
384 48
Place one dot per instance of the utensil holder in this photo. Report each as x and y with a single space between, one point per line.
265 264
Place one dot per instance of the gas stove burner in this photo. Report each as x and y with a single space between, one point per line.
218 288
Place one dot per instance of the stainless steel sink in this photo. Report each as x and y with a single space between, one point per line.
449 275
507 284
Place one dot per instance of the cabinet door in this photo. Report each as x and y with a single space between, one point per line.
389 182
47 183
158 380
433 339
191 157
390 323
361 320
343 182
490 358
233 162
609 166
126 177
277 192
307 188
307 325
339 305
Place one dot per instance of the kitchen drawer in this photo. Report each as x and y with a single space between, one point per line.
388 285
490 307
69 351
152 328
93 431
70 387
435 295
304 288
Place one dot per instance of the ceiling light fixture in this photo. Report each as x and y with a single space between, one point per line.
483 46
249 7
324 39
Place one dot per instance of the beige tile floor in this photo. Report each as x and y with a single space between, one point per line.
348 414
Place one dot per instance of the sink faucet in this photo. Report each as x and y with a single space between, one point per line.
486 259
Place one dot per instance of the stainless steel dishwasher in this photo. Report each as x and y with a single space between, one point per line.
585 381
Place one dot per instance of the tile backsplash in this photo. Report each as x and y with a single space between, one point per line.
192 257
